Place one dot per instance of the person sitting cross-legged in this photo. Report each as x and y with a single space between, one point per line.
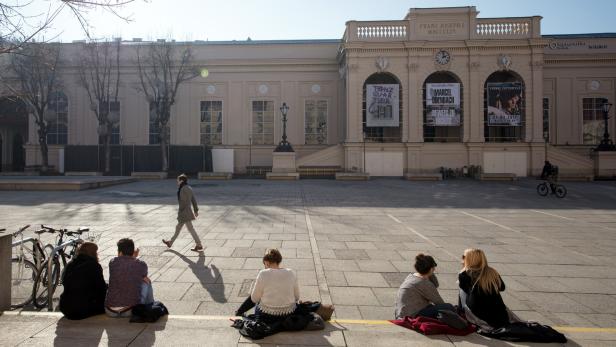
129 284
418 294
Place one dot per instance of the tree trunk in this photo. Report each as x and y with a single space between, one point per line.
108 151
165 158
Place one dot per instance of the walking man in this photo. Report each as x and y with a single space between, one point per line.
187 203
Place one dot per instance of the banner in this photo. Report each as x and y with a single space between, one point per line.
443 104
505 104
382 105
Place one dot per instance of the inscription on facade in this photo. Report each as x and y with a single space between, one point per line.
441 28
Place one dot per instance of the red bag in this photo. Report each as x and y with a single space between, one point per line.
431 326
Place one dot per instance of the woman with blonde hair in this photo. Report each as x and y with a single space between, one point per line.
482 286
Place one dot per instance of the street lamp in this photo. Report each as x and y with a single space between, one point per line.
284 145
606 144
546 138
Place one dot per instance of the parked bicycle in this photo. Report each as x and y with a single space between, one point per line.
25 266
59 255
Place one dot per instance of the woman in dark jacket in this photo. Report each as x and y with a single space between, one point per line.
84 285
482 286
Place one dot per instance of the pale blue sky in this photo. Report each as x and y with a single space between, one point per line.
314 19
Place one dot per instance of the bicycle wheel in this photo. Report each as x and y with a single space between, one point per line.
40 292
23 277
560 191
542 189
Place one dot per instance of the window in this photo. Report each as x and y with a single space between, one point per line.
57 119
211 122
546 119
315 122
263 122
113 107
443 108
504 108
593 120
382 108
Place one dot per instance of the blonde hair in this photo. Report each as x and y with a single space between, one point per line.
476 264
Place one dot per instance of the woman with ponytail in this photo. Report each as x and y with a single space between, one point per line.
482 286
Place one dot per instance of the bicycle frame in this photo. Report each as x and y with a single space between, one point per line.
37 250
59 249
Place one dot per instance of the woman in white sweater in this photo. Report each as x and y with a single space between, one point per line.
275 291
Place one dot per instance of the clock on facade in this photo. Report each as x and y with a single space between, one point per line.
442 57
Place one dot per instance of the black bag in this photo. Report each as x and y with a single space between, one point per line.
526 332
148 313
452 319
253 330
296 322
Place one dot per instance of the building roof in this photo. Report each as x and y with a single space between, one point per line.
581 36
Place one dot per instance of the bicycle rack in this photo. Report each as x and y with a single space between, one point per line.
37 257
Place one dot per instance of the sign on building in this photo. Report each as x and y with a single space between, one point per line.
443 104
382 105
505 104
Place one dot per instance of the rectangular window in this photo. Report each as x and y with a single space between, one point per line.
57 124
546 119
262 122
315 122
593 120
211 122
113 110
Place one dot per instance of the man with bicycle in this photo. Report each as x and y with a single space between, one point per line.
550 174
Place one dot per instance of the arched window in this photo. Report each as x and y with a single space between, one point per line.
382 108
504 107
57 119
443 108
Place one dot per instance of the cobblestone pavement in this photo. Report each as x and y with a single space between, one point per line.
352 243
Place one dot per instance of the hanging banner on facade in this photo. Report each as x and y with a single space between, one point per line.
443 104
505 104
382 105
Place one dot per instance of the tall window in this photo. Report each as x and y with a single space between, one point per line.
315 121
262 122
382 108
593 120
546 118
504 113
211 122
443 116
113 107
57 119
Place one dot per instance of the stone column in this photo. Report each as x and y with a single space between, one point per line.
5 272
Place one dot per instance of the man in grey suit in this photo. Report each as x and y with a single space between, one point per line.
187 203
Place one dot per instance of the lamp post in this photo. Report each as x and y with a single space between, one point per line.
606 143
284 145
546 138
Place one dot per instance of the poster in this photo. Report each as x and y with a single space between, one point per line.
443 104
382 105
505 104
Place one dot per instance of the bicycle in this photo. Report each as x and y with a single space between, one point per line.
544 188
59 254
24 271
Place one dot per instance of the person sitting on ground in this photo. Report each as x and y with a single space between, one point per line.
84 284
129 284
482 286
275 291
418 294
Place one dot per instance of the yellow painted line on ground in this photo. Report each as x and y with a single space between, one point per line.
338 321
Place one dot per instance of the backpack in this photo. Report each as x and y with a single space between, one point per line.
254 330
431 326
526 332
148 313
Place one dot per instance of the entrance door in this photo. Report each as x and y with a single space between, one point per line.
19 155
385 164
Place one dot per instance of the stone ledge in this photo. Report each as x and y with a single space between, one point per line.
83 173
498 177
158 175
215 175
282 176
423 176
352 176
20 173
579 178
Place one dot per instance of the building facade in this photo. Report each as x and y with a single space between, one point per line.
439 88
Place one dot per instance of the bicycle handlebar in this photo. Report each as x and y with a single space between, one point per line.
21 230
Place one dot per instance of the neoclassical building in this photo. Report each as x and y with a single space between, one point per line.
439 88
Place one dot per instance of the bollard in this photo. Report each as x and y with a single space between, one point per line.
5 271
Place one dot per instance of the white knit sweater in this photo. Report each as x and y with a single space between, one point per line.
276 291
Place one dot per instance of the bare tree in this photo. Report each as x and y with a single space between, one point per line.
99 75
35 81
18 25
162 69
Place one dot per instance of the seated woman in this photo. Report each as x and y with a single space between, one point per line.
482 285
275 291
84 285
418 295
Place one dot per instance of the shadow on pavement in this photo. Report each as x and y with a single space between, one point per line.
210 277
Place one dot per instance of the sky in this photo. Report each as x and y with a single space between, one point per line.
216 20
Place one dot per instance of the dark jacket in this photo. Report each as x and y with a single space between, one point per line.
186 200
84 288
486 306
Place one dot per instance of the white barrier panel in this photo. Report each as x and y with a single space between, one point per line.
505 162
222 160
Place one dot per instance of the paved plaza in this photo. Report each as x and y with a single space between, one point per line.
351 244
